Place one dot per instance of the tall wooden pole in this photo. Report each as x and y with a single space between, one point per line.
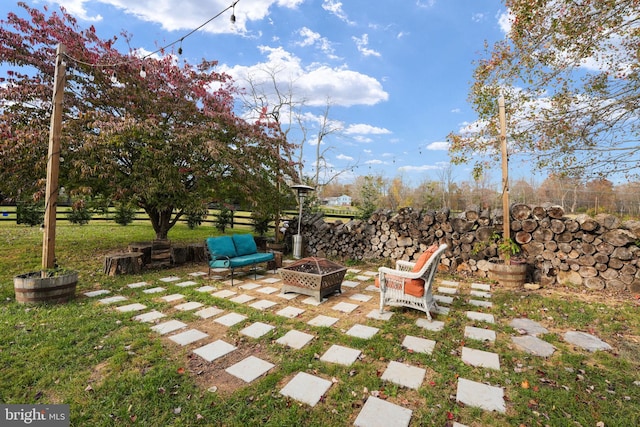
53 163
506 226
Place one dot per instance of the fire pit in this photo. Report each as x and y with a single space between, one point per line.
315 277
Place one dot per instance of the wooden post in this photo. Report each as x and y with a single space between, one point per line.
53 163
506 226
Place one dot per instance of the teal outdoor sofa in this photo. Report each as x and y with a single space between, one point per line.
235 251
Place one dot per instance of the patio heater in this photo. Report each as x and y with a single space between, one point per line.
302 191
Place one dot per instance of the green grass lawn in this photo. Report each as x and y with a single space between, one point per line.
114 371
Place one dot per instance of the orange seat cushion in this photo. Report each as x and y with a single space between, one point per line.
422 260
414 287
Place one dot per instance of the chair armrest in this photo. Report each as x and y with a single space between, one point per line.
399 273
404 265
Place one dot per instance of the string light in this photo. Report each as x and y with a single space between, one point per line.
143 72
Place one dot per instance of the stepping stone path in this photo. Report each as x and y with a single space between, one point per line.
309 389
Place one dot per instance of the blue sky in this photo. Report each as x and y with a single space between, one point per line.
396 74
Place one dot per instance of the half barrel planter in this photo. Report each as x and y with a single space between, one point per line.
34 288
511 276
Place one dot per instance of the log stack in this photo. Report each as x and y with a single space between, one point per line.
597 253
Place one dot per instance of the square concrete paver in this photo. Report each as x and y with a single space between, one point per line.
187 337
242 299
360 297
441 299
290 312
262 304
480 294
225 293
131 307
256 330
363 278
447 290
188 306
149 317
288 296
97 293
186 284
206 289
154 290
271 280
198 274
450 283
208 312
375 314
113 299
586 341
480 358
137 285
529 326
295 339
172 297
313 301
481 287
479 334
345 307
419 345
404 375
250 368
534 345
168 326
482 317
322 320
372 288
480 395
350 283
480 303
362 331
230 319
340 355
214 350
306 388
268 290
433 326
249 286
380 413
170 279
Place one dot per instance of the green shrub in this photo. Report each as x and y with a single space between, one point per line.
125 214
80 213
224 219
29 213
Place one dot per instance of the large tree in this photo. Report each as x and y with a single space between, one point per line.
569 71
168 141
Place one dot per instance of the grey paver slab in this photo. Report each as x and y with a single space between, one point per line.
137 285
208 312
372 288
230 319
322 320
188 306
288 296
481 303
481 287
380 413
447 290
131 307
271 280
441 299
249 286
295 339
267 290
353 270
479 334
313 301
375 314
404 375
363 278
214 350
480 395
529 326
187 337
149 317
169 279
257 329
186 284
450 283
419 345
350 283
434 325
482 317
206 289
362 331
113 299
370 273
198 274
97 293
154 290
480 358
441 310
242 299
262 304
480 294
168 326
345 307
225 293
586 341
290 312
340 355
360 297
306 388
250 368
172 297
534 345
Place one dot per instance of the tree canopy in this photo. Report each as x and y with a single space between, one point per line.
170 141
569 71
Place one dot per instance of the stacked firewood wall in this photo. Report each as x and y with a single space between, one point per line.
596 253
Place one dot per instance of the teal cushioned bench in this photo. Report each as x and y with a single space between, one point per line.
235 251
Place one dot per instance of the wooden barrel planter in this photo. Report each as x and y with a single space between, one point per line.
58 288
509 275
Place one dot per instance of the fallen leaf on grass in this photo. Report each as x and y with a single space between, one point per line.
524 384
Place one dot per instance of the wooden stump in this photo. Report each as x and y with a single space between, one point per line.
196 252
160 253
123 263
276 262
179 254
144 248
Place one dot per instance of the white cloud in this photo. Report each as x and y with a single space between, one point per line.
362 43
438 146
505 21
317 84
77 8
335 7
425 3
364 129
344 157
311 38
478 17
456 110
374 162
422 168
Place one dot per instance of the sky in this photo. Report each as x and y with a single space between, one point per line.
392 76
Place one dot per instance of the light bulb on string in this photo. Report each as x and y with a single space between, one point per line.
143 72
233 14
114 78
